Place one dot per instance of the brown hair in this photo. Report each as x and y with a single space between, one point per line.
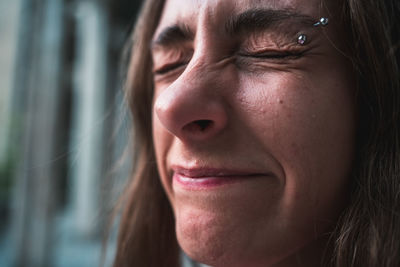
368 233
147 232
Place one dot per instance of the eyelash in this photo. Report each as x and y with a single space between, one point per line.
275 55
168 68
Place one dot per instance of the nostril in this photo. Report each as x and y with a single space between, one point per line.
203 124
198 126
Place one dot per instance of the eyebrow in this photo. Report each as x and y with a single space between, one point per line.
172 35
262 19
248 21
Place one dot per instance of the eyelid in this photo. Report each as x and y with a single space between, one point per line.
170 60
169 67
277 39
272 53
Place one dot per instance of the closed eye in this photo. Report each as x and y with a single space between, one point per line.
170 67
273 55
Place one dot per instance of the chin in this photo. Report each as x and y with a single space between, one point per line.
204 237
212 239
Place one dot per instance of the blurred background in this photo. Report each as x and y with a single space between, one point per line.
63 128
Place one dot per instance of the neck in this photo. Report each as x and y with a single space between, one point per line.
315 254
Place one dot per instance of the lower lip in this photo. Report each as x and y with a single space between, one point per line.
209 182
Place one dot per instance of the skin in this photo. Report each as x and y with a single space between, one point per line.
288 119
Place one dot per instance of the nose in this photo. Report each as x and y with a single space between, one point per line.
193 107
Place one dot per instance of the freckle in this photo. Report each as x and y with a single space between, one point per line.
280 101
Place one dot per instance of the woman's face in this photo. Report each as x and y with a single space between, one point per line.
253 132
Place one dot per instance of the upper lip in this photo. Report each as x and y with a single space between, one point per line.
214 172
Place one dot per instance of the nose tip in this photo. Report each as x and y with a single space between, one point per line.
190 116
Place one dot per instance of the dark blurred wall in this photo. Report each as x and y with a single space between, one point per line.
64 131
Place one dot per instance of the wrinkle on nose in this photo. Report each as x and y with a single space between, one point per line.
192 110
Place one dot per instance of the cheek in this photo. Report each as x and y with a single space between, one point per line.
308 125
162 141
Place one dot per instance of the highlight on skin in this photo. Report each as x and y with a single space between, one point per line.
245 130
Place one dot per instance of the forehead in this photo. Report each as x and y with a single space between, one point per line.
213 12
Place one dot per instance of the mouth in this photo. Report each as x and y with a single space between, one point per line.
205 178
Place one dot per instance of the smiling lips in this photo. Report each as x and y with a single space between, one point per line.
203 178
